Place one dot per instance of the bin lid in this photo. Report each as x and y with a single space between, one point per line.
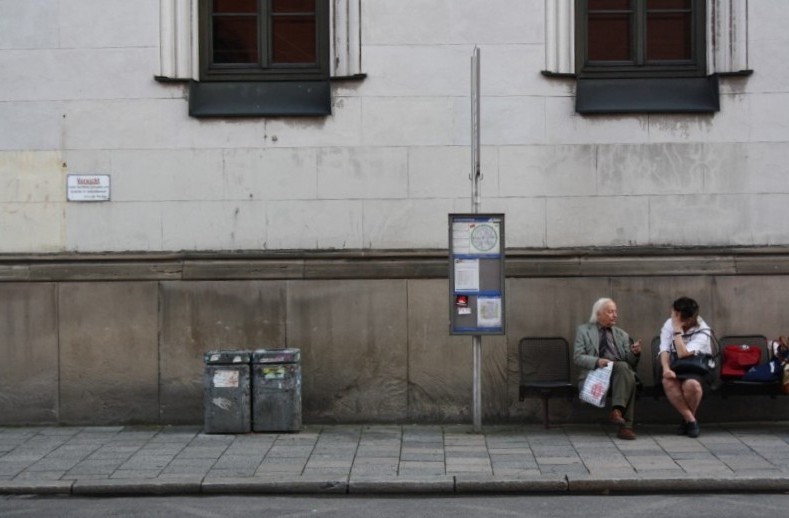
290 355
226 357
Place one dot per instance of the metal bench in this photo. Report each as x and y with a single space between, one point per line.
545 370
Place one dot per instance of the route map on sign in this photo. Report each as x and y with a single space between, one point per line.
475 238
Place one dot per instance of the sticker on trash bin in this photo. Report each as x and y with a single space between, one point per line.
273 373
222 403
226 379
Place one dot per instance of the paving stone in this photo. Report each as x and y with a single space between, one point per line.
231 472
39 475
567 469
328 473
335 464
653 463
425 467
374 470
285 451
93 469
136 474
151 463
48 464
699 467
271 470
421 456
557 460
467 454
191 452
226 462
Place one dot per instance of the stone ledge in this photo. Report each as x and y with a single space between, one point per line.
397 264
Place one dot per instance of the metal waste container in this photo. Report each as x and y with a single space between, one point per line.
227 406
276 390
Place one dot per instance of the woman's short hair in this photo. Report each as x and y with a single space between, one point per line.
597 307
686 307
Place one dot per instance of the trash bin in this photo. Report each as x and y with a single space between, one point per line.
227 406
276 390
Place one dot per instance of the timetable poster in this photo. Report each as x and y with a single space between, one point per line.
476 247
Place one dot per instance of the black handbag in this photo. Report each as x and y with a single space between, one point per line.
699 364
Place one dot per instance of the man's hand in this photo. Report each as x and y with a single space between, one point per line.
602 362
636 347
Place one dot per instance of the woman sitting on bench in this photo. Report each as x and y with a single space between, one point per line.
687 334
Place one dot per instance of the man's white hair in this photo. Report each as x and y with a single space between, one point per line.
598 306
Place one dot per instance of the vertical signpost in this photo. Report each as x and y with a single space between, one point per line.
476 262
476 286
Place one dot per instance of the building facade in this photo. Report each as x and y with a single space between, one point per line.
292 189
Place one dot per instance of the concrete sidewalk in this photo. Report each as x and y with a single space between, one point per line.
393 459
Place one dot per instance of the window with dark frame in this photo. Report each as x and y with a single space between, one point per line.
643 56
246 40
262 58
640 38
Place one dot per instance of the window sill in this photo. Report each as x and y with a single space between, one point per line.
647 95
333 79
259 98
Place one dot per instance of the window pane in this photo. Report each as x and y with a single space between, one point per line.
292 6
668 4
669 36
235 39
293 39
595 5
609 37
235 6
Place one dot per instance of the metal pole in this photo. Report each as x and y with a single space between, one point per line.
476 348
476 175
476 340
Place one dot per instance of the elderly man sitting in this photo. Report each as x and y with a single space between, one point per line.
599 342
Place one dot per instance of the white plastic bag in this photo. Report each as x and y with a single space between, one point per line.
596 385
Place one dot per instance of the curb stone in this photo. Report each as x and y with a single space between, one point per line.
489 484
167 486
28 487
296 485
678 485
394 485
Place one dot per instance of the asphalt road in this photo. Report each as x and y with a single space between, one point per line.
592 506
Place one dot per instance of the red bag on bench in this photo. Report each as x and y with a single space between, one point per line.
737 359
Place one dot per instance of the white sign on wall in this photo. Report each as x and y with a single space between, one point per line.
88 187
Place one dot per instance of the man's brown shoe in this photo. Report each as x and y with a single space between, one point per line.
626 433
616 417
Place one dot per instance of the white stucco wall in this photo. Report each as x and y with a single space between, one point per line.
78 95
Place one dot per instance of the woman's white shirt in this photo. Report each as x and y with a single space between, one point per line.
697 339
